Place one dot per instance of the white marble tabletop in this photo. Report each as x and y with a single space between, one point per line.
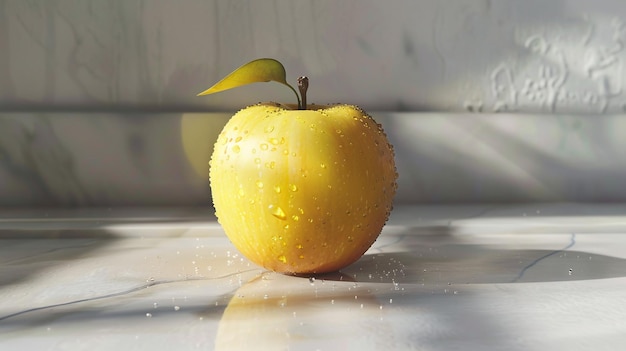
484 277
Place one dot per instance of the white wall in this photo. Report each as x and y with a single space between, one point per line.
127 61
535 55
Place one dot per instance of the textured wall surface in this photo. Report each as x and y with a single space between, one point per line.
95 95
533 56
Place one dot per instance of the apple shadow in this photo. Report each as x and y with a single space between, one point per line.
433 256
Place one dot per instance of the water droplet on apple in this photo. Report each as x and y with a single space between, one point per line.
236 149
282 258
277 189
277 212
295 218
274 141
293 187
257 160
263 146
350 239
238 139
299 246
259 184
241 192
301 257
269 129
322 165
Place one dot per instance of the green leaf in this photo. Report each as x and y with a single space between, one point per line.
261 70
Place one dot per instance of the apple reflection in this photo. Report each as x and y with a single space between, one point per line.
276 312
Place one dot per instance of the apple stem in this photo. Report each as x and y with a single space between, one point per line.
303 85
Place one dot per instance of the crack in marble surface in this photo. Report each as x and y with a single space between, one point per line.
118 294
535 262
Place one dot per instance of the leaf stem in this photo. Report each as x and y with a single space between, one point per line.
297 96
303 85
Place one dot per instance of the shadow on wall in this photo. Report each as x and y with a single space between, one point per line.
76 159
106 159
507 157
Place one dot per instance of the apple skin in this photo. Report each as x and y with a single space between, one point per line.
302 191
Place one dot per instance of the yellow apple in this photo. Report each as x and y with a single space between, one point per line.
302 190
